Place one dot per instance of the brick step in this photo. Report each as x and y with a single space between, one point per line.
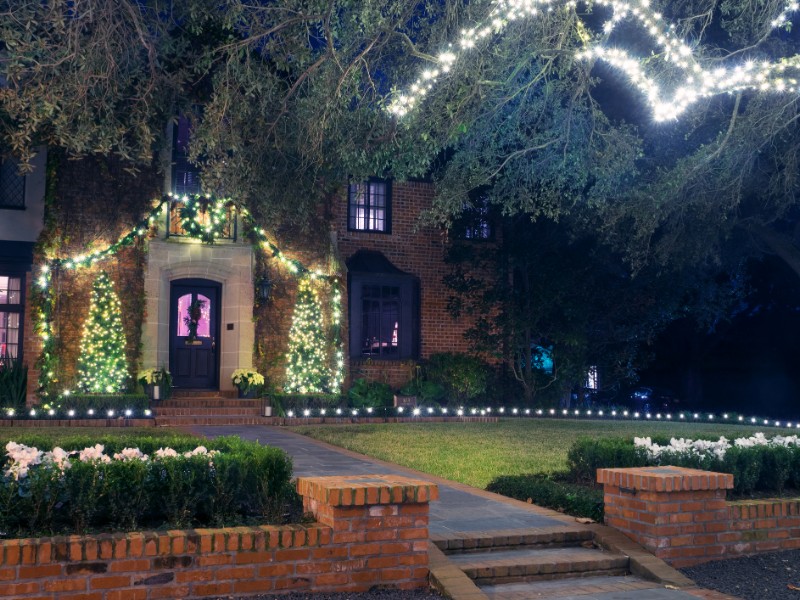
188 393
590 586
208 412
213 420
543 537
207 403
537 563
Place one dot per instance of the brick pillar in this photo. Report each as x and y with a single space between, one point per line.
678 514
381 523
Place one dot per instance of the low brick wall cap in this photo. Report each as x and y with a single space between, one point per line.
665 479
361 490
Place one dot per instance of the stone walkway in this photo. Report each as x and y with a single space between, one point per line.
463 511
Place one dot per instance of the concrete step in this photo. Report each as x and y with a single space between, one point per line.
557 536
537 563
166 411
616 587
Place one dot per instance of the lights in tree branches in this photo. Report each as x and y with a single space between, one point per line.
102 367
689 79
306 370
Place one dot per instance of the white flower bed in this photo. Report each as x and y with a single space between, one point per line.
22 458
707 449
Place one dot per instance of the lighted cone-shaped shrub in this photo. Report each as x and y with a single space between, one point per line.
102 367
306 370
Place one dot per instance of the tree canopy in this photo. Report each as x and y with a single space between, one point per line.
289 99
292 99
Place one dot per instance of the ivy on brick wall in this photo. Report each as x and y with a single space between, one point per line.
45 298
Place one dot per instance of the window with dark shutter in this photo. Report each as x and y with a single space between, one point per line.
383 308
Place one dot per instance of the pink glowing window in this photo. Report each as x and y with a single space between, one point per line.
184 315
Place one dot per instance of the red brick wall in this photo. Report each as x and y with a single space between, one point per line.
685 520
417 250
93 201
371 534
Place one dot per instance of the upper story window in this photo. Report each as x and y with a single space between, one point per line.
12 186
475 222
369 206
185 175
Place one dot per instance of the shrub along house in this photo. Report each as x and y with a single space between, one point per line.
375 274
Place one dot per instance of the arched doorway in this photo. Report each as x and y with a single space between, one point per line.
194 327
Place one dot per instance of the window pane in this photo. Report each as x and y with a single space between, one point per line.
390 321
204 324
10 290
377 195
380 320
185 175
358 204
183 312
12 186
370 329
9 335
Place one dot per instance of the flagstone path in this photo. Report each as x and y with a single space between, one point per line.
465 518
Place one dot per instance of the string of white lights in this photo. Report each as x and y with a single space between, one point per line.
688 81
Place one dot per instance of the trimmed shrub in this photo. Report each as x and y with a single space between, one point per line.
464 377
244 483
552 491
283 403
101 403
373 394
589 454
758 468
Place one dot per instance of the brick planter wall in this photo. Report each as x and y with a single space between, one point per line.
682 517
372 531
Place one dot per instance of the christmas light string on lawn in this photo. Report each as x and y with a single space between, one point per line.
191 210
696 81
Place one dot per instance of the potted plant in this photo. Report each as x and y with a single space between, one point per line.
248 381
191 320
157 383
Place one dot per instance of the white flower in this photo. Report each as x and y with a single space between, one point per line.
59 458
706 448
129 454
93 454
247 377
22 459
166 453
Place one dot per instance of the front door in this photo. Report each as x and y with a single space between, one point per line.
194 327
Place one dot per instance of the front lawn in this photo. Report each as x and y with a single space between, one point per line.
55 436
476 453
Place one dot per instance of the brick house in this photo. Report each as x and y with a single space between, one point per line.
394 298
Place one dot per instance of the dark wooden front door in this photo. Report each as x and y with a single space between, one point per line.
194 363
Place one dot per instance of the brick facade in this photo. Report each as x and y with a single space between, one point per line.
94 200
682 517
373 531
419 251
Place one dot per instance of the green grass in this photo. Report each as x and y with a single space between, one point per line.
56 434
476 453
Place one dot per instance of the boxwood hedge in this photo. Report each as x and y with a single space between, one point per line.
244 483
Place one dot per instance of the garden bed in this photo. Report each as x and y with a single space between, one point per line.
122 483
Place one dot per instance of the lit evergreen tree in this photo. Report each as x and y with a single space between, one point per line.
307 371
102 367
